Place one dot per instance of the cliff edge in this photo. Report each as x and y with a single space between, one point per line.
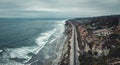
98 41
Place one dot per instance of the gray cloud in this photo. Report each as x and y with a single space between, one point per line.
58 8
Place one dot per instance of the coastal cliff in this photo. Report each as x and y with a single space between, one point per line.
92 41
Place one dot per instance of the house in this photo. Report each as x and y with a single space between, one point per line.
103 32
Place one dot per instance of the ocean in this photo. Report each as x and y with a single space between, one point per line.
30 41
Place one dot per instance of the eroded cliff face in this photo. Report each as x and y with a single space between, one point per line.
92 44
65 57
99 40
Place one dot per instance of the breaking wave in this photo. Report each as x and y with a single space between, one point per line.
19 56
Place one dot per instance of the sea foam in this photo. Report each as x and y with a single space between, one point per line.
41 41
44 37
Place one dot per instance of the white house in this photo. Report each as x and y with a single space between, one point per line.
103 32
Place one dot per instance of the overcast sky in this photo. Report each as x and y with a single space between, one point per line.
58 8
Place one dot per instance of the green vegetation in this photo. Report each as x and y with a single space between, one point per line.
84 60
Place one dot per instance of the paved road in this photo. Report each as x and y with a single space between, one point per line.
74 47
